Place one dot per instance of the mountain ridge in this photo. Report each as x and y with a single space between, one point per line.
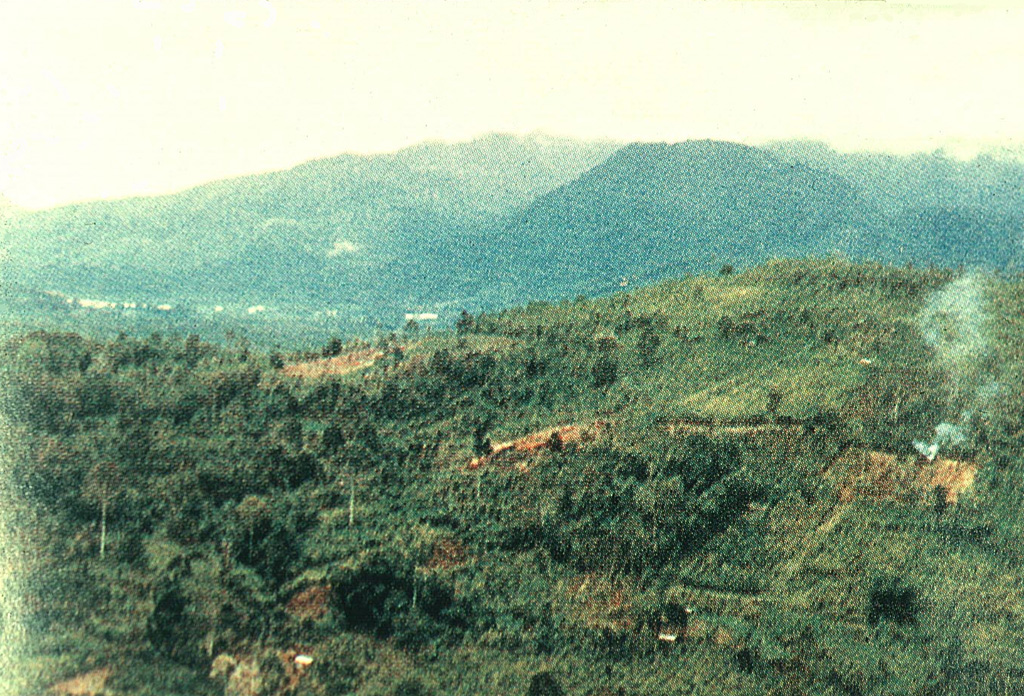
335 204
692 205
506 219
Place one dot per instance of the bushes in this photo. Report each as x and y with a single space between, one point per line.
243 475
337 667
544 684
386 597
606 509
604 372
893 600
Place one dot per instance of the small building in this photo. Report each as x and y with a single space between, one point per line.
96 304
673 623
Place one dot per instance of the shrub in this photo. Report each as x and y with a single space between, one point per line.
604 372
544 684
410 687
893 600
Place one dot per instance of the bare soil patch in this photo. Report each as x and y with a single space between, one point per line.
87 684
310 603
447 553
516 452
952 475
337 365
883 476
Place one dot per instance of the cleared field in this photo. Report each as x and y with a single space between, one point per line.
337 365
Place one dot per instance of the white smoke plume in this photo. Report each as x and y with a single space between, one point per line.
955 324
946 435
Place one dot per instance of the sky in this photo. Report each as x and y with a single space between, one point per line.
110 98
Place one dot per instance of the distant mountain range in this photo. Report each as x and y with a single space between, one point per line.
323 232
506 219
653 209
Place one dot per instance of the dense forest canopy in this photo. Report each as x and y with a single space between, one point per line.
802 478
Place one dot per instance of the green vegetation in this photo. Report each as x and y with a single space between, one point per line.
348 245
363 235
522 505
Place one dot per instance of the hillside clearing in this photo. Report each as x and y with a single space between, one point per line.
334 366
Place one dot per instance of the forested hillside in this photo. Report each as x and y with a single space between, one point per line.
803 478
942 210
351 243
323 234
653 210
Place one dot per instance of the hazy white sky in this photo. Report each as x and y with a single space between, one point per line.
111 98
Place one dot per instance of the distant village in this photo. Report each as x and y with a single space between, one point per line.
104 304
130 305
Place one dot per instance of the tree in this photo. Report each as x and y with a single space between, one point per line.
193 350
940 500
894 600
604 372
465 323
253 512
647 346
102 485
544 684
395 355
555 443
481 443
333 348
410 687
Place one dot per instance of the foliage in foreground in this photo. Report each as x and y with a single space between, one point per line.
740 445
